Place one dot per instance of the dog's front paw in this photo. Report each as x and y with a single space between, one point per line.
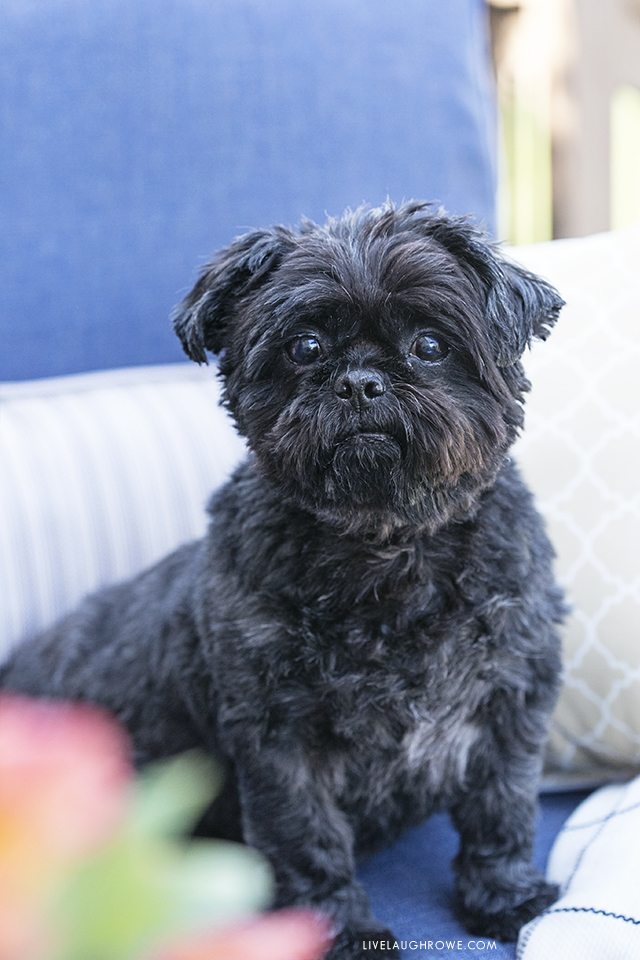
351 944
509 909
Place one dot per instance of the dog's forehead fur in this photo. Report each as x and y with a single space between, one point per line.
369 264
363 279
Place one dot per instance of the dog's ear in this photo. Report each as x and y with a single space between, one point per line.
519 305
201 320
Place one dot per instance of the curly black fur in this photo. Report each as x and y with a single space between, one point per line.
368 632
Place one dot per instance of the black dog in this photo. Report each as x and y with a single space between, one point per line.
368 632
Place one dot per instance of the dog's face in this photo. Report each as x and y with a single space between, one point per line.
372 363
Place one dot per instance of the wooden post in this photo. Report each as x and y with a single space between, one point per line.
585 51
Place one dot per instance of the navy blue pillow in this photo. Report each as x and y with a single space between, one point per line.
139 136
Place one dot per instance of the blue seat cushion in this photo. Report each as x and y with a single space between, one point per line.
139 137
411 883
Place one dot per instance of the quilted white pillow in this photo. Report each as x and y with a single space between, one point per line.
101 475
581 453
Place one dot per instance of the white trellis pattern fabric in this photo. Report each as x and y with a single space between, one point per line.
581 453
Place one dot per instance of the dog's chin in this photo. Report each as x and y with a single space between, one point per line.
366 470
370 482
369 445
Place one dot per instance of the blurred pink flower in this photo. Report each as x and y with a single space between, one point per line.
284 935
64 771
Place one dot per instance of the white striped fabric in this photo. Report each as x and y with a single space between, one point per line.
100 475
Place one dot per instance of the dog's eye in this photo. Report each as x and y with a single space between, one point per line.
304 350
429 348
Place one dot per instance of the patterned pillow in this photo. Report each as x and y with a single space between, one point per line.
594 860
102 474
581 453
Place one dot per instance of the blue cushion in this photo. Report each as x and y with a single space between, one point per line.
411 884
139 136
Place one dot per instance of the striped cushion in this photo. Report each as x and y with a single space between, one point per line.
101 475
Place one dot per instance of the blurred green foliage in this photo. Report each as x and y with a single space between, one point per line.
150 884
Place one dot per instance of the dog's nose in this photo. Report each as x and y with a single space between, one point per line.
360 387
